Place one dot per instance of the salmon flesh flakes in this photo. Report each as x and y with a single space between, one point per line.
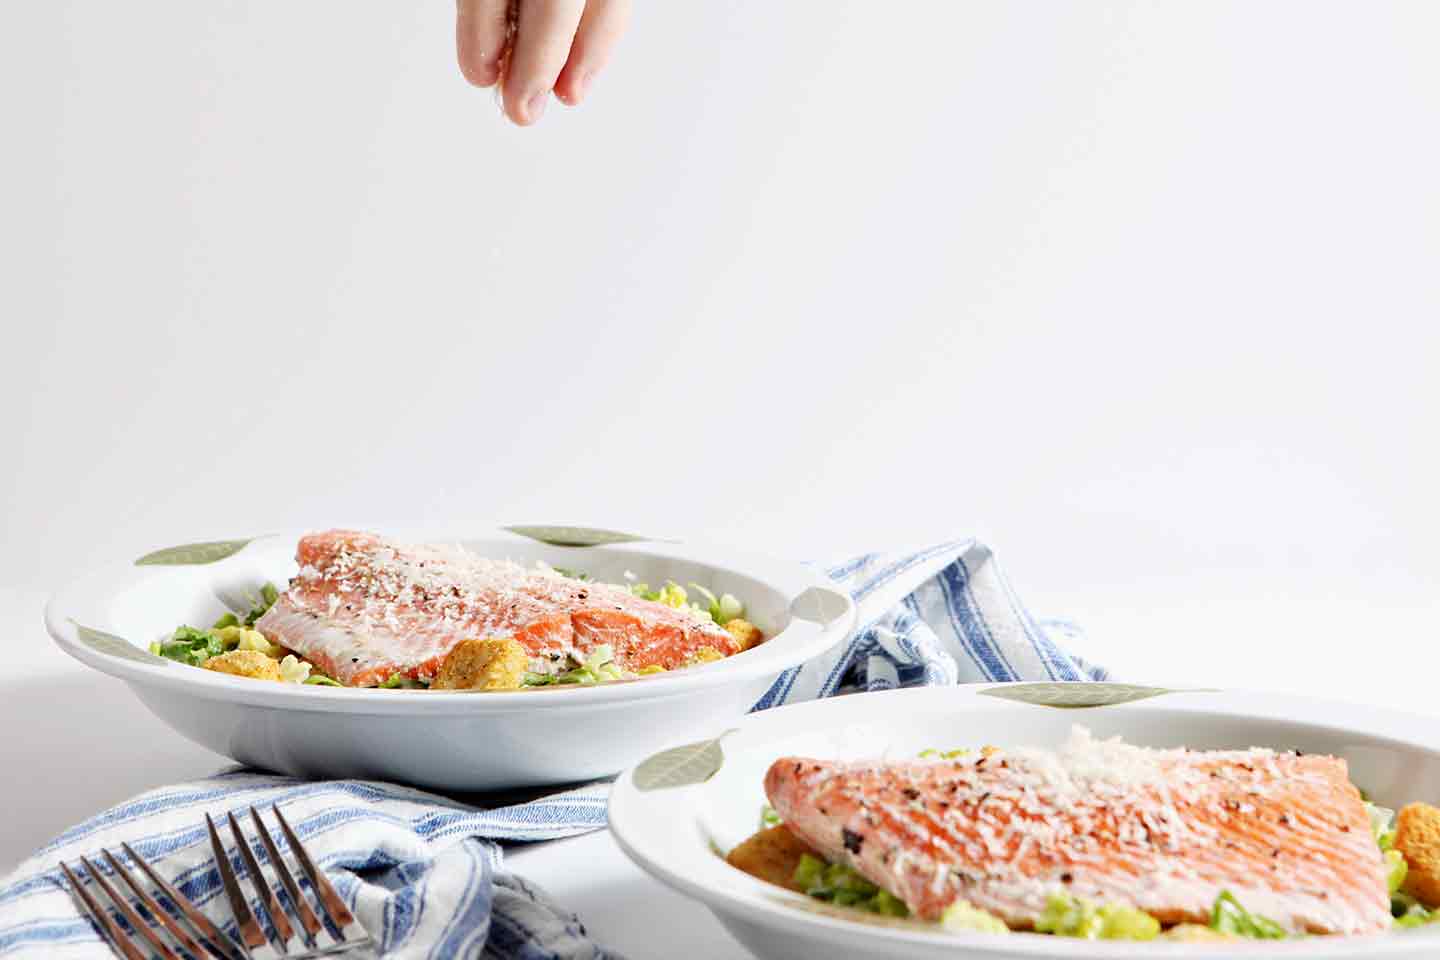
1164 831
365 609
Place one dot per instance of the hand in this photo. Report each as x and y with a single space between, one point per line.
557 46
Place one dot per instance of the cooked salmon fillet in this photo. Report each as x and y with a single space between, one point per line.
364 609
1162 830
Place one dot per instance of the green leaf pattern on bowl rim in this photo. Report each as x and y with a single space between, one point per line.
559 536
114 646
1080 694
681 766
188 554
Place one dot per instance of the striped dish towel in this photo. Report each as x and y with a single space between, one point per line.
425 874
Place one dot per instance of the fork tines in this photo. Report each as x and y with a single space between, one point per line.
299 933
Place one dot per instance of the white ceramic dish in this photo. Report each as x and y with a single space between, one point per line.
453 741
674 832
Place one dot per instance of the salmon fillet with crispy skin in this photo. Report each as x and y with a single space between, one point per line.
364 609
1162 830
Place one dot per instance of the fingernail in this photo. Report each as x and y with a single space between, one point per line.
582 87
483 74
535 107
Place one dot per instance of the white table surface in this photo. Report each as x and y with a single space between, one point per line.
70 750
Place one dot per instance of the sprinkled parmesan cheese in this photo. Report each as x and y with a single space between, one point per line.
1160 830
1084 766
365 610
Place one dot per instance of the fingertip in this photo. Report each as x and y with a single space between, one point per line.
480 72
480 40
571 88
479 65
526 110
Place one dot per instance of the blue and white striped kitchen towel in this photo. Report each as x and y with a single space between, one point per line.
424 874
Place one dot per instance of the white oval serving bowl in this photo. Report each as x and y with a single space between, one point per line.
444 740
675 833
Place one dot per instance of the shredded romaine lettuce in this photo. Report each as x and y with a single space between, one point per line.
1122 922
1382 820
1396 870
399 681
245 638
189 645
672 595
317 679
268 596
599 666
1409 912
809 872
643 591
1067 916
768 817
730 609
721 609
841 885
1382 825
1227 916
961 916
193 646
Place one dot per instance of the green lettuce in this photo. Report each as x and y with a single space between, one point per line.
598 667
961 916
1409 912
722 609
841 885
1067 916
399 681
189 645
1396 869
1382 821
1227 916
268 596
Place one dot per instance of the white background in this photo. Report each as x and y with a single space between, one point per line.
1145 295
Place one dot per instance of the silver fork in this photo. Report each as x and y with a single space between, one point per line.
312 938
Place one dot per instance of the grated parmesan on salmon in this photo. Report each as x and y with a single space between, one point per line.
364 609
1164 831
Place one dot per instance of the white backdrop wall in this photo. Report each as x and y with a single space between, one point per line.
1144 294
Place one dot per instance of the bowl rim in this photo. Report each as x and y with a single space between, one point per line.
657 829
84 598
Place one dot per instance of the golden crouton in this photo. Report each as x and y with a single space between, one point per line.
1417 837
1194 933
704 655
745 633
772 855
495 663
244 663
